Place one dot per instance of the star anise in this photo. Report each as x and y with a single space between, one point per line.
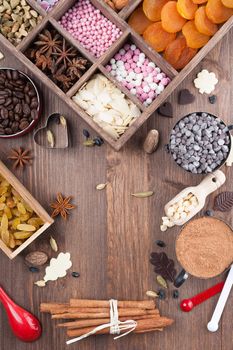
43 61
76 67
64 54
62 206
20 157
59 76
49 42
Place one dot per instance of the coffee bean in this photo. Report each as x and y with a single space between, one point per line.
18 94
2 101
23 125
8 101
34 113
15 75
26 109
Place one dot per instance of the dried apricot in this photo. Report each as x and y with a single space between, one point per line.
203 24
228 3
157 37
152 9
193 37
138 21
186 8
217 12
199 1
171 20
178 54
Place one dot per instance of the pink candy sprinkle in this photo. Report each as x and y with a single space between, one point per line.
86 24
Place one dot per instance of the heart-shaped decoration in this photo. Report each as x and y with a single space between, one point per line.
166 110
54 134
185 97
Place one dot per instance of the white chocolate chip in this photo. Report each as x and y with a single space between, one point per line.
163 228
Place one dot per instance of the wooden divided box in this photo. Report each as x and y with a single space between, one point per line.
52 18
28 199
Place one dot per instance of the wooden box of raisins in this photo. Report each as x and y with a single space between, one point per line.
22 218
114 68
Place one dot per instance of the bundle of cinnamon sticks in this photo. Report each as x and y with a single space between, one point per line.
85 315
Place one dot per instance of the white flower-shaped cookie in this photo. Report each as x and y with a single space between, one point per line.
205 82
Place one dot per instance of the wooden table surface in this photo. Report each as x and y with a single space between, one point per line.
110 234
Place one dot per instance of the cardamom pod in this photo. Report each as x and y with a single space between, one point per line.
161 281
53 244
101 186
63 121
142 194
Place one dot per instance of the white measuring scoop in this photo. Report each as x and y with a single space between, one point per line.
213 324
210 184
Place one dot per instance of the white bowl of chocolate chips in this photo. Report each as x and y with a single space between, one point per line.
19 103
200 142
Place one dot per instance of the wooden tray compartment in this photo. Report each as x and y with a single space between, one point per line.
30 200
52 17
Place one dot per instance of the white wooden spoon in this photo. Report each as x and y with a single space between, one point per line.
213 324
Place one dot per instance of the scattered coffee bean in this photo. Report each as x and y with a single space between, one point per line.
75 274
185 97
200 143
166 110
98 141
33 269
212 99
175 294
18 102
161 294
160 243
209 213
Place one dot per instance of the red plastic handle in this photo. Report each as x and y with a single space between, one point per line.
188 304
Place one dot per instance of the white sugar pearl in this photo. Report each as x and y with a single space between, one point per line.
113 72
158 69
160 88
114 66
149 101
139 64
138 82
120 63
145 104
141 60
119 78
146 89
142 55
163 228
151 64
153 86
122 51
159 76
112 61
149 79
133 91
123 73
132 75
171 224
128 78
133 47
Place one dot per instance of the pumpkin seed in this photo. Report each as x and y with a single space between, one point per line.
53 244
50 138
142 194
101 186
152 294
161 281
40 283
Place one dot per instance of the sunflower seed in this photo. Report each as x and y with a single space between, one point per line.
53 244
152 294
101 186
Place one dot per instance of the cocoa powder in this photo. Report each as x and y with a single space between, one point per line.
204 247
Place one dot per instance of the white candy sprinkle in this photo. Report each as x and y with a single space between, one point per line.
133 47
122 52
120 63
114 66
146 89
149 101
112 61
119 78
142 55
113 72
133 91
151 64
149 79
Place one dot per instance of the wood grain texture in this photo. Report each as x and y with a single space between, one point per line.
111 234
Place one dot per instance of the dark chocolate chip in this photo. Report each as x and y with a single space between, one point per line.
185 97
161 294
98 141
75 274
209 213
166 110
175 294
160 243
212 99
86 133
33 269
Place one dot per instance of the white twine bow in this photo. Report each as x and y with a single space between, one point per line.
115 325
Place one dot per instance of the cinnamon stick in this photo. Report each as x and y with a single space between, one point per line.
143 304
64 309
142 326
100 321
47 307
86 315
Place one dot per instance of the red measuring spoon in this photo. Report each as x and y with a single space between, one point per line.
24 325
188 304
